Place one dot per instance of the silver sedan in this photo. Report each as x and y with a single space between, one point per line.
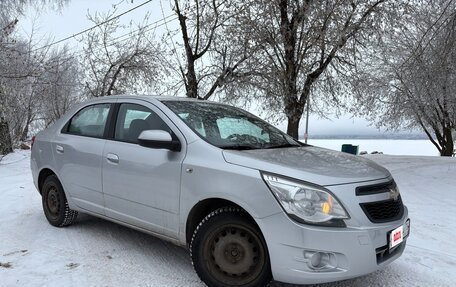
251 203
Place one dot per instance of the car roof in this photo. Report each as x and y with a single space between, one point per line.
149 98
146 97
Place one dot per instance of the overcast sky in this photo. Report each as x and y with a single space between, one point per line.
73 19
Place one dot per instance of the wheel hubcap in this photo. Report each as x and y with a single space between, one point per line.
53 201
236 255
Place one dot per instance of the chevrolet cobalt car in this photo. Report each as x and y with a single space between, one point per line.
250 203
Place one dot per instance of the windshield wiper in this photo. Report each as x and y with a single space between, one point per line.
239 147
283 145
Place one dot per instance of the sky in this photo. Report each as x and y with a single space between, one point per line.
56 25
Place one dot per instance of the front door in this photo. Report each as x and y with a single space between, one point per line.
141 185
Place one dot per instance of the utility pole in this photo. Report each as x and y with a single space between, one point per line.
306 134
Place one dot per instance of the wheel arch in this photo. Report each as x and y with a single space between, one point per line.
202 208
43 174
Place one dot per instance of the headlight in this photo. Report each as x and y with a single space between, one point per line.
305 202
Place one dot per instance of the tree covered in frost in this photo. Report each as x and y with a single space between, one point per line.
409 80
308 47
117 63
22 68
209 51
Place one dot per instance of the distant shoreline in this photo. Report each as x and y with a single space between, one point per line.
391 146
369 137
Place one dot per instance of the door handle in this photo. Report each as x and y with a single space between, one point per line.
59 149
112 158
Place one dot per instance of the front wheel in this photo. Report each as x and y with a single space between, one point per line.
227 249
55 204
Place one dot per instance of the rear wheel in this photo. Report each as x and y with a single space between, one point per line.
227 249
55 204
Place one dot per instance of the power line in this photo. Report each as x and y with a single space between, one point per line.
91 28
116 40
144 29
151 26
146 26
167 29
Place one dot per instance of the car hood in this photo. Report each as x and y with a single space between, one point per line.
312 164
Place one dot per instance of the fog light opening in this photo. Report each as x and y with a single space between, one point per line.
318 260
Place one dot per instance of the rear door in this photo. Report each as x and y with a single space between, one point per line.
142 185
78 153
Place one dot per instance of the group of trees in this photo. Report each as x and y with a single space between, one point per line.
396 59
117 64
36 85
409 79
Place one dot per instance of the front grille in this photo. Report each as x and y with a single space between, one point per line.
375 188
383 211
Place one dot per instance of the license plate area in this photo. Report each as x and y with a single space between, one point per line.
397 235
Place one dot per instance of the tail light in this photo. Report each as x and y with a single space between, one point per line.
33 140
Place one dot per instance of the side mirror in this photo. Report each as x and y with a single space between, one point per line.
158 139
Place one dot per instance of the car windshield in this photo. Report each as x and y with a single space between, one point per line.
229 127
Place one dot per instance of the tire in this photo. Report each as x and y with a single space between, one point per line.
227 249
55 204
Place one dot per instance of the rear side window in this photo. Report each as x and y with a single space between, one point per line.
90 121
133 119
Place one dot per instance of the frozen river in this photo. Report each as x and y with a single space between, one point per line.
387 146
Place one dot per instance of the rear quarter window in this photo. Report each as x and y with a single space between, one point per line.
90 121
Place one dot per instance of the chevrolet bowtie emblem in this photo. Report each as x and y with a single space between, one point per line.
394 194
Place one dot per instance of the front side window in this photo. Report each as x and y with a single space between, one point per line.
229 127
196 122
133 119
90 121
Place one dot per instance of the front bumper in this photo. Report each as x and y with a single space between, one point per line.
348 252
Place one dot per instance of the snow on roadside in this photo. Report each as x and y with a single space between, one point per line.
94 252
14 157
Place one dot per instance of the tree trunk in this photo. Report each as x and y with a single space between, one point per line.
28 121
25 132
293 126
447 143
192 82
6 145
448 149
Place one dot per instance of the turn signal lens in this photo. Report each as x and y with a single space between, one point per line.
325 207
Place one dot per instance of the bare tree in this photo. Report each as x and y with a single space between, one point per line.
118 65
13 55
209 32
410 79
305 45
37 85
58 86
5 136
10 9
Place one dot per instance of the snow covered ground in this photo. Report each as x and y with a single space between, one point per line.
95 252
